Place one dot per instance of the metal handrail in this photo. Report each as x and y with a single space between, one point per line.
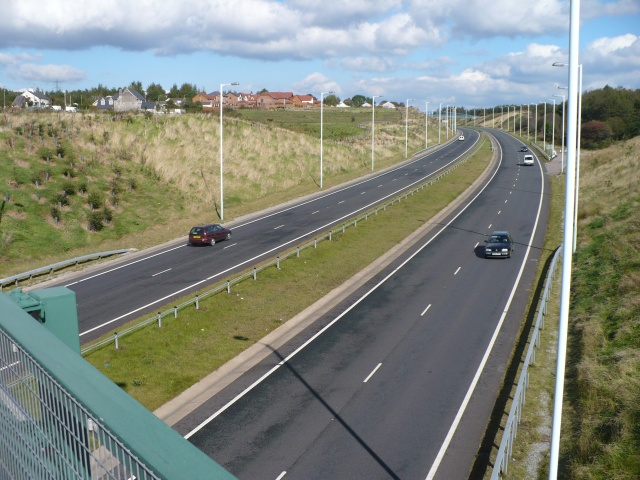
505 450
158 317
55 266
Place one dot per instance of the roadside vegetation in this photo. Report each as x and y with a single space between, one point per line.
601 414
72 184
156 364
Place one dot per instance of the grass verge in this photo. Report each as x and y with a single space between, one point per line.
156 364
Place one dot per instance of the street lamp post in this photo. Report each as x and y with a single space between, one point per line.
221 152
553 128
544 129
446 129
521 120
426 126
535 127
562 158
493 117
406 128
373 122
321 132
439 121
501 116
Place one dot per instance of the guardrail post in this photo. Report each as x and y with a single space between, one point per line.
278 262
197 302
228 286
329 236
175 312
298 252
343 228
315 243
255 273
366 216
355 222
115 334
159 320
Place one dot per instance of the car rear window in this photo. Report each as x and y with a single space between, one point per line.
196 231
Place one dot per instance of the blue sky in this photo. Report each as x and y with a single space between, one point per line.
465 52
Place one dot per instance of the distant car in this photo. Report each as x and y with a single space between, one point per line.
528 160
208 234
524 149
461 137
499 244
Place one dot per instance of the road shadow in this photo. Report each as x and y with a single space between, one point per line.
338 418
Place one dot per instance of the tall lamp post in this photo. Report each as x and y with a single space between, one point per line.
520 120
221 153
439 121
562 158
544 129
493 117
446 129
579 134
373 122
426 126
322 94
406 128
553 128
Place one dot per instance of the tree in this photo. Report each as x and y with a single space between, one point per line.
155 92
331 100
137 86
359 100
187 91
595 134
174 92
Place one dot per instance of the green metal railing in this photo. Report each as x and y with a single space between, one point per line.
60 418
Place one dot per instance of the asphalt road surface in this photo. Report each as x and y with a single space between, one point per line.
398 381
114 295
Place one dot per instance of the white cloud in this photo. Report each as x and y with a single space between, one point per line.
317 82
47 73
368 64
613 61
597 8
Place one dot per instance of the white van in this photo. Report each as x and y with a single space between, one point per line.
528 160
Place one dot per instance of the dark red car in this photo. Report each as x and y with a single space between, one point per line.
208 234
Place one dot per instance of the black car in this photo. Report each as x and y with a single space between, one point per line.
524 149
208 234
499 244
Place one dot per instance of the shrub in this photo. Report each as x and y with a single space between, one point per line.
69 188
95 221
55 213
107 214
94 200
61 199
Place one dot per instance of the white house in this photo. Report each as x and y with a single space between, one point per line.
366 105
32 98
342 105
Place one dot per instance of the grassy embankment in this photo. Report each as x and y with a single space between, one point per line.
601 414
156 364
149 179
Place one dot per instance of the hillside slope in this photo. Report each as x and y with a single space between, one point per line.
75 184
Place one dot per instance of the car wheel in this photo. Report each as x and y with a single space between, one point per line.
213 241
228 236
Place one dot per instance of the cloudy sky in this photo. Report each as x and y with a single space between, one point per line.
463 52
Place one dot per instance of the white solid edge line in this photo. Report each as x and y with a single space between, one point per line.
125 265
330 324
372 373
476 378
166 297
